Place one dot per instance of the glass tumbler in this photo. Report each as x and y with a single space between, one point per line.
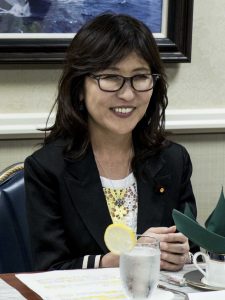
140 268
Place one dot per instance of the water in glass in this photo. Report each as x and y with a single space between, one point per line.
139 270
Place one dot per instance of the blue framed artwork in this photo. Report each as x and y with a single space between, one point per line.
67 16
39 31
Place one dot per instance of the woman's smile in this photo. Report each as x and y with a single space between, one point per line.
122 112
107 110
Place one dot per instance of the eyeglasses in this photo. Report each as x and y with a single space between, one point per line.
113 83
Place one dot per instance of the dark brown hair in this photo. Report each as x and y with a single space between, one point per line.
104 41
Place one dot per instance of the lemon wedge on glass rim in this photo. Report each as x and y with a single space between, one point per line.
119 238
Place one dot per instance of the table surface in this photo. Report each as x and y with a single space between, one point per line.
12 280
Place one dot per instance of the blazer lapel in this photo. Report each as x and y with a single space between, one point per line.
84 185
150 201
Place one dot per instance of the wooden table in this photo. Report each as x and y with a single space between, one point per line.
12 280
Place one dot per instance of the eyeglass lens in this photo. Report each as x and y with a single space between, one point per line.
116 82
113 83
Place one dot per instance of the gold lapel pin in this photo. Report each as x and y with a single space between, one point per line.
160 189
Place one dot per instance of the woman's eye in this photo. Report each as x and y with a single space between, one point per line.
140 77
112 78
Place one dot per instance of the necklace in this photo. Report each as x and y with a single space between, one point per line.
118 193
121 196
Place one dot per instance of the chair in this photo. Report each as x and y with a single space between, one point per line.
15 255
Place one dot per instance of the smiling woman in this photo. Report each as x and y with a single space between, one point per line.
106 158
113 99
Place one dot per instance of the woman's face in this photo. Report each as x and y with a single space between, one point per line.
117 112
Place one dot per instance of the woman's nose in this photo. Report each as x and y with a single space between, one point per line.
126 92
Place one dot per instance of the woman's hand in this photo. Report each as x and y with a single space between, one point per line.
109 260
174 247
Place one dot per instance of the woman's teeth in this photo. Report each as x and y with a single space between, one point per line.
123 110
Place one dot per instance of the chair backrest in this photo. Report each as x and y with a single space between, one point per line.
15 254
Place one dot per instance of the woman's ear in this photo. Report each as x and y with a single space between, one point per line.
81 105
81 96
82 102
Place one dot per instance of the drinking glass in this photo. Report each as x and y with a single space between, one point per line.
140 267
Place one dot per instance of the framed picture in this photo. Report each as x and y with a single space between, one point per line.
39 31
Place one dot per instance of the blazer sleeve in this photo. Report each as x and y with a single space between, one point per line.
49 246
186 191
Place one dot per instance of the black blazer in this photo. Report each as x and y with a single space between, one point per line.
67 210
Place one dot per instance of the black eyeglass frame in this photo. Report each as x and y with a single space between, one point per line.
155 77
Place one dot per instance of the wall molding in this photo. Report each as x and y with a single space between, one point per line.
184 121
178 121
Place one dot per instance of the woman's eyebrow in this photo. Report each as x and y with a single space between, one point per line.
134 70
141 69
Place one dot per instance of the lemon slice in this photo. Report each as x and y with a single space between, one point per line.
119 238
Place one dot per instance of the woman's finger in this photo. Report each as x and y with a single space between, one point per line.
179 248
